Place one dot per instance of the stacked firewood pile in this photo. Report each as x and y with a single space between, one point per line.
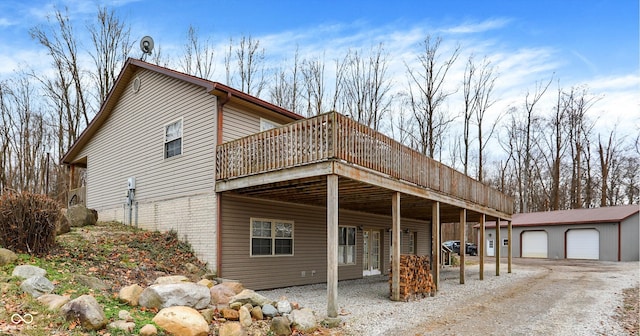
416 280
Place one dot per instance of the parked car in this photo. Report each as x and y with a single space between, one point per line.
454 245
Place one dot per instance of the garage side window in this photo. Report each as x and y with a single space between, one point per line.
173 139
346 245
271 237
505 242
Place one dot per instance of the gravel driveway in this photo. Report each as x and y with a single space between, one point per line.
540 297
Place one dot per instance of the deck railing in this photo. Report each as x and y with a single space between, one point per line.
334 136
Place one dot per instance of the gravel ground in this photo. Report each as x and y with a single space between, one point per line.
540 297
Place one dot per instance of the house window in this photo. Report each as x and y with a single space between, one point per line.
270 237
346 245
173 139
505 242
266 124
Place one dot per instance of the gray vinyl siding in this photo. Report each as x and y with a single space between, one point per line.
131 144
629 236
310 247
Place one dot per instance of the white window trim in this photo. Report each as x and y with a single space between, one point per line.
355 246
412 242
273 237
164 138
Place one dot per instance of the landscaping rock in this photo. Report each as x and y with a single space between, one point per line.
208 314
28 271
284 307
221 294
171 279
235 286
130 294
53 301
230 314
7 256
79 216
206 282
182 321
249 296
191 268
280 326
269 310
331 322
125 316
256 313
122 325
87 310
245 317
37 286
231 329
62 226
304 320
91 282
235 305
180 294
148 330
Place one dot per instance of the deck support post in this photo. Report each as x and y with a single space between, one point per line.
481 246
395 263
509 252
463 242
436 245
497 247
332 246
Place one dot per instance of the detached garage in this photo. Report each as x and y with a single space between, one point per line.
608 233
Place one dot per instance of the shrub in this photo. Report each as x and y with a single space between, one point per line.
28 222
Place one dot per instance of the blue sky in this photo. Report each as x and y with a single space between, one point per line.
579 42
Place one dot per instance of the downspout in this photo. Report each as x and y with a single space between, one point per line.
219 140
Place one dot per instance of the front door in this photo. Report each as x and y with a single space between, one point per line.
370 252
490 248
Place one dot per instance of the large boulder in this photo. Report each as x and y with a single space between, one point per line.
130 294
37 286
53 301
304 320
249 296
280 326
79 216
28 271
87 310
171 279
221 294
7 257
182 321
181 294
91 282
231 329
63 226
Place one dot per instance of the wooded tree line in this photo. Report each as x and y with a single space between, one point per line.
547 158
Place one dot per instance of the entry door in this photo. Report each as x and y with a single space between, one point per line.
370 252
490 248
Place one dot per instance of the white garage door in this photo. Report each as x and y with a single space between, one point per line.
583 244
534 244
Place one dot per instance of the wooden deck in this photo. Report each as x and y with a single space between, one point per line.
334 137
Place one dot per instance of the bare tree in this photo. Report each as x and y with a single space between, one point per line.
608 155
249 58
314 86
366 94
285 91
427 94
112 45
60 40
198 56
484 85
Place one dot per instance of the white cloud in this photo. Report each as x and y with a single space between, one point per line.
479 27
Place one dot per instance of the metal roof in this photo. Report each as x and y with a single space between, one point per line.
613 214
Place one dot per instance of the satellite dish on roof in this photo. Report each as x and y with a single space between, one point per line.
146 45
